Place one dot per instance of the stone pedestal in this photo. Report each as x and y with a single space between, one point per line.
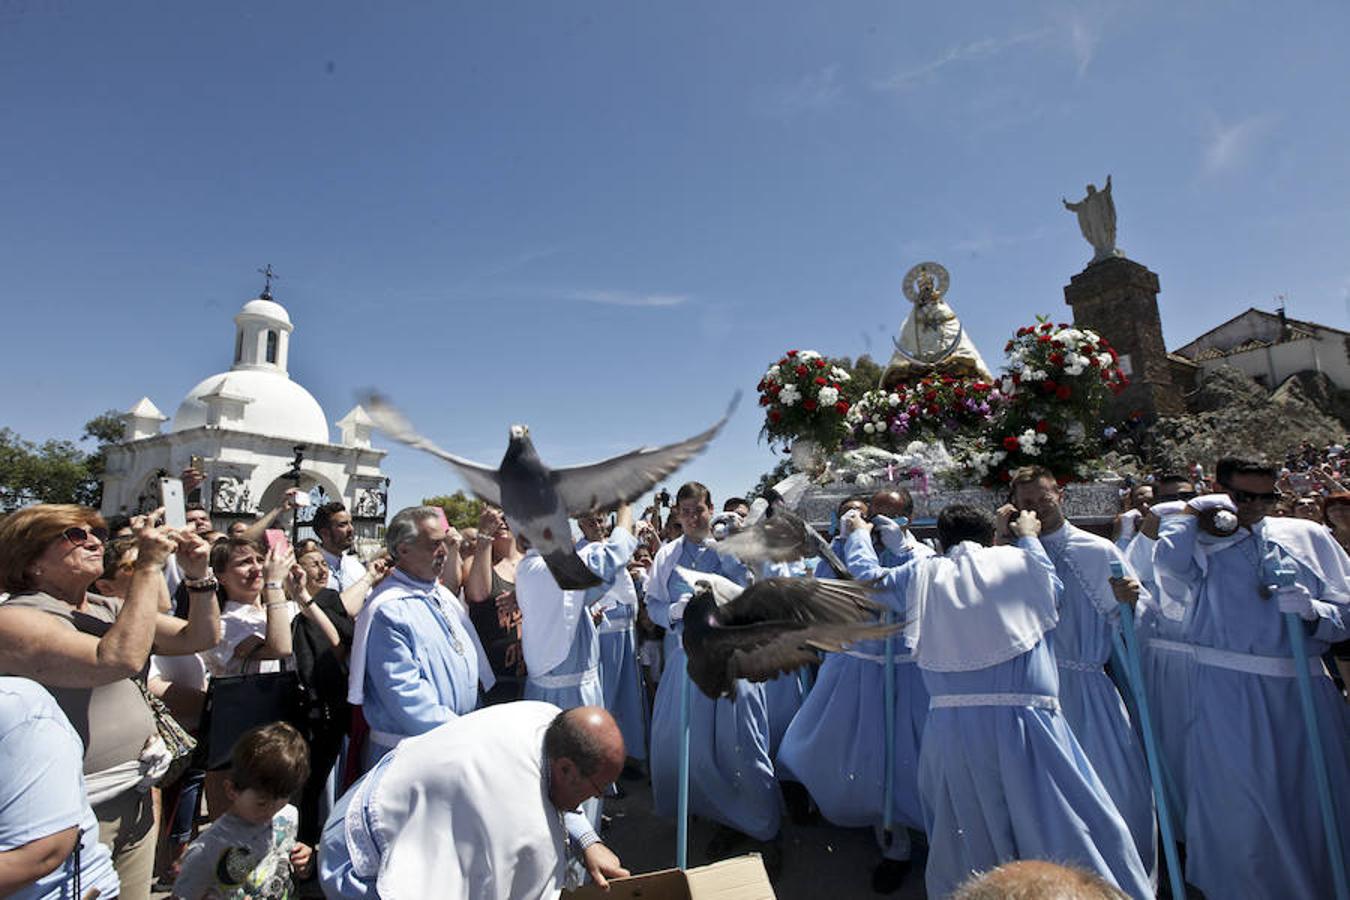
1118 298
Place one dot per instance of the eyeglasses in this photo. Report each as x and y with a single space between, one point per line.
1240 496
600 789
80 536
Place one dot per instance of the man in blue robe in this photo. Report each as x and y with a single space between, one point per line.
1252 823
836 744
1001 775
1089 616
619 676
415 659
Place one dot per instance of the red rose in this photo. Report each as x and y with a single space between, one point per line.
980 386
1092 361
1016 378
1063 392
1042 338
801 370
958 393
765 400
1056 359
1042 426
1059 344
792 353
809 405
820 364
1010 444
930 396
774 415
841 407
820 381
783 361
947 379
933 409
1049 386
1046 326
775 389
1008 347
1106 375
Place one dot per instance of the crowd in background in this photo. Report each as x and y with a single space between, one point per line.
132 651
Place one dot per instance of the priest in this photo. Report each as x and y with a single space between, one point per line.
482 808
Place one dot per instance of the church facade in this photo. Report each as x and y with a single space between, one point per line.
246 428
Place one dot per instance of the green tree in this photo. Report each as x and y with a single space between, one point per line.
461 510
56 471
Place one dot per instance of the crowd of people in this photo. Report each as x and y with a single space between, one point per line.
226 715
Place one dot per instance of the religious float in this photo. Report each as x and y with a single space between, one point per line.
938 422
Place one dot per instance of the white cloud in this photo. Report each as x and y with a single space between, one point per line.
628 298
813 92
1231 146
1084 36
969 51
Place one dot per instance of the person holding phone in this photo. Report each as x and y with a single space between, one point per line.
86 649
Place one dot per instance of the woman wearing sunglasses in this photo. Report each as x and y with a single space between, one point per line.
86 649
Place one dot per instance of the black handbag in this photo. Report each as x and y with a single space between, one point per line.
236 703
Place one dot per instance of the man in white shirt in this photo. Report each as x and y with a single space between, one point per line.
333 526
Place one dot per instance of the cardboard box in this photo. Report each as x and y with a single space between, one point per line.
742 878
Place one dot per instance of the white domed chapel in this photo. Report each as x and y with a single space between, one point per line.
243 428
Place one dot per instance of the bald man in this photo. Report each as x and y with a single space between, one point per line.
471 809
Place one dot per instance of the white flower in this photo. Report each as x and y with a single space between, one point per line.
1076 368
1104 360
789 395
893 399
839 374
807 355
869 428
772 374
916 447
828 396
1042 437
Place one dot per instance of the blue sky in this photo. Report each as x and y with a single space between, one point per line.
603 218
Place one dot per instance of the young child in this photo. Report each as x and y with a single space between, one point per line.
250 853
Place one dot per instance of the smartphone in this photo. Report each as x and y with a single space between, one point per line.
301 498
277 538
1117 569
171 498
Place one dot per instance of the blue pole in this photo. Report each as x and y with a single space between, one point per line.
1294 625
682 810
888 698
1155 764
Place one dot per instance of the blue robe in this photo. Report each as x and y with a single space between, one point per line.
1011 782
1253 826
620 677
421 666
783 694
1088 617
836 744
576 680
731 777
1168 671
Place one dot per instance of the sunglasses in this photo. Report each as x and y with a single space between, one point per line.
80 536
1249 497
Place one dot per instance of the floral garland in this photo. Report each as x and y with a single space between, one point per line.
1058 377
805 398
932 407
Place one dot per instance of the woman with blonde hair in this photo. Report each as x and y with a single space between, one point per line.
89 650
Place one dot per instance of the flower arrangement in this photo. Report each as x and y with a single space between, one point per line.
1057 378
933 407
805 396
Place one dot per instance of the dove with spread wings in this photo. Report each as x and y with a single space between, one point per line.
539 501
